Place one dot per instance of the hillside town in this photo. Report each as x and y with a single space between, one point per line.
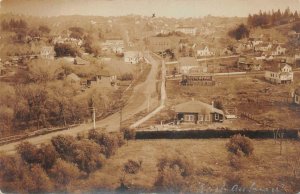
111 79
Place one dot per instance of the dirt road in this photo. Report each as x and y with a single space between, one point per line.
136 103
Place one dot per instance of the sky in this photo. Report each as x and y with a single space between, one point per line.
168 8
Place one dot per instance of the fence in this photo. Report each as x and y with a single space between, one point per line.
211 133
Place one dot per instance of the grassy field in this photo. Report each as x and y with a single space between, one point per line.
266 167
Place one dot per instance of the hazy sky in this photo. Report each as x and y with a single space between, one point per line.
169 8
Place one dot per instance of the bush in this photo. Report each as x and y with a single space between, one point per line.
47 156
173 174
109 142
28 152
129 133
63 146
19 177
39 180
63 173
87 155
240 145
132 167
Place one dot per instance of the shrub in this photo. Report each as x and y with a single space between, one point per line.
132 167
40 182
47 156
109 142
129 133
87 155
172 173
17 176
64 173
240 145
28 152
63 146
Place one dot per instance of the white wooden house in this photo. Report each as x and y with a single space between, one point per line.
205 52
280 74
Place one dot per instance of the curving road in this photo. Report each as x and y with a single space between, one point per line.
136 103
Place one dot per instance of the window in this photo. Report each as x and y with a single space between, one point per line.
216 116
200 117
189 117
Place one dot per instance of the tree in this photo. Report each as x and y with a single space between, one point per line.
63 146
240 32
36 97
44 29
63 50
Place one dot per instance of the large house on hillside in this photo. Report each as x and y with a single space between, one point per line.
115 45
280 74
189 30
196 112
133 57
205 52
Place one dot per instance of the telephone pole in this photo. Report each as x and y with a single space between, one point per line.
94 118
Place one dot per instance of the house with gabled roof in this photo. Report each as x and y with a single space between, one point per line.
280 74
189 30
197 112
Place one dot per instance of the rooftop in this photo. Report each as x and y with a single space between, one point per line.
196 107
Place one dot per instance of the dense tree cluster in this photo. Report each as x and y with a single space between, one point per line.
63 50
240 32
42 100
264 19
14 25
55 167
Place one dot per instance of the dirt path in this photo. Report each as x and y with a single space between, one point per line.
136 103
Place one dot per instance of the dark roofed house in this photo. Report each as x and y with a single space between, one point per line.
198 112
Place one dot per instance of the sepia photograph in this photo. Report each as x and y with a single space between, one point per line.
150 96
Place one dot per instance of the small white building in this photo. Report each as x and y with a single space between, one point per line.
133 57
278 50
47 52
187 30
205 52
280 74
115 45
263 47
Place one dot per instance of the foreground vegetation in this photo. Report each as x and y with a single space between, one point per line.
101 161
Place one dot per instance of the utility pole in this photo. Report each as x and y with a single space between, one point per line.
94 117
